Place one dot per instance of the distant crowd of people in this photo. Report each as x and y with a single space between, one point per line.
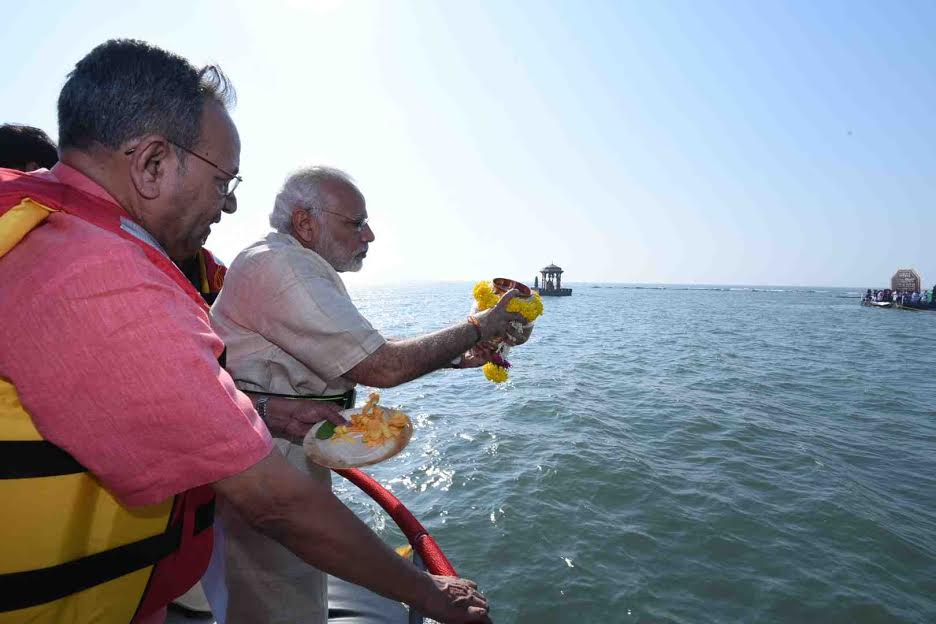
914 298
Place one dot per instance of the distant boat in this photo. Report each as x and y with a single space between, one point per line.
915 307
903 283
918 307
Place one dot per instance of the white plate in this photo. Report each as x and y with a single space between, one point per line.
352 452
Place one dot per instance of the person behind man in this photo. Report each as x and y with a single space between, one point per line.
292 330
26 148
117 424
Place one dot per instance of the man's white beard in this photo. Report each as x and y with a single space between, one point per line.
351 265
332 252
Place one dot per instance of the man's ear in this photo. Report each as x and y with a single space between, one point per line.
304 226
150 164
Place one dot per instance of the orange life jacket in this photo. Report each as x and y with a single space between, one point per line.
210 275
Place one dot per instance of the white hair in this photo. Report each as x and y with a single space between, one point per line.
304 188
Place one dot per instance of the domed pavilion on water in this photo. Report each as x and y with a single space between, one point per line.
551 284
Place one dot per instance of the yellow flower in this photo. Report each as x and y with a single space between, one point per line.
530 307
374 423
398 420
485 296
497 374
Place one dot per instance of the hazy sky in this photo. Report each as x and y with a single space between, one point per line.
685 142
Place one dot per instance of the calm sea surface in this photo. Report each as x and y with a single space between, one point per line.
678 455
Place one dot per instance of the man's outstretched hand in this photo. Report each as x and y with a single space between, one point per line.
495 322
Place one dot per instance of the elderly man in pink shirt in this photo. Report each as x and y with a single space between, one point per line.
118 426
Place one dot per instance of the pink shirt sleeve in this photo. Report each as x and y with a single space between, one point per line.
117 365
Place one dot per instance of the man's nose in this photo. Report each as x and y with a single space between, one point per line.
367 234
230 204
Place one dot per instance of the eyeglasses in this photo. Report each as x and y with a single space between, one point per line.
359 224
226 188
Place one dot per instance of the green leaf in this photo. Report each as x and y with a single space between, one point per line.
326 431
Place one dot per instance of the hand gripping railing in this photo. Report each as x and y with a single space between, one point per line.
425 548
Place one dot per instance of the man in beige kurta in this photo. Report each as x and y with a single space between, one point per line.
291 330
281 289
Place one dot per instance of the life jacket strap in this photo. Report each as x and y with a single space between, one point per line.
20 590
28 459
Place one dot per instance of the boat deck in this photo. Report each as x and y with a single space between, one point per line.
347 604
893 305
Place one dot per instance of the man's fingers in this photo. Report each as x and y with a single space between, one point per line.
337 419
481 615
464 602
502 305
313 413
516 328
331 413
298 429
483 351
476 600
457 583
510 294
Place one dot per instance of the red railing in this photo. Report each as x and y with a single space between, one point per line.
423 543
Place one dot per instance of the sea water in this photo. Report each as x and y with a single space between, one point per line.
678 454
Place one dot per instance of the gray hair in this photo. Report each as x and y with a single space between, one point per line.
126 88
305 188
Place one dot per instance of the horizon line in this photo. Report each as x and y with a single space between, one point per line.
363 281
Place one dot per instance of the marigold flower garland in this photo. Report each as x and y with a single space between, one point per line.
530 307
